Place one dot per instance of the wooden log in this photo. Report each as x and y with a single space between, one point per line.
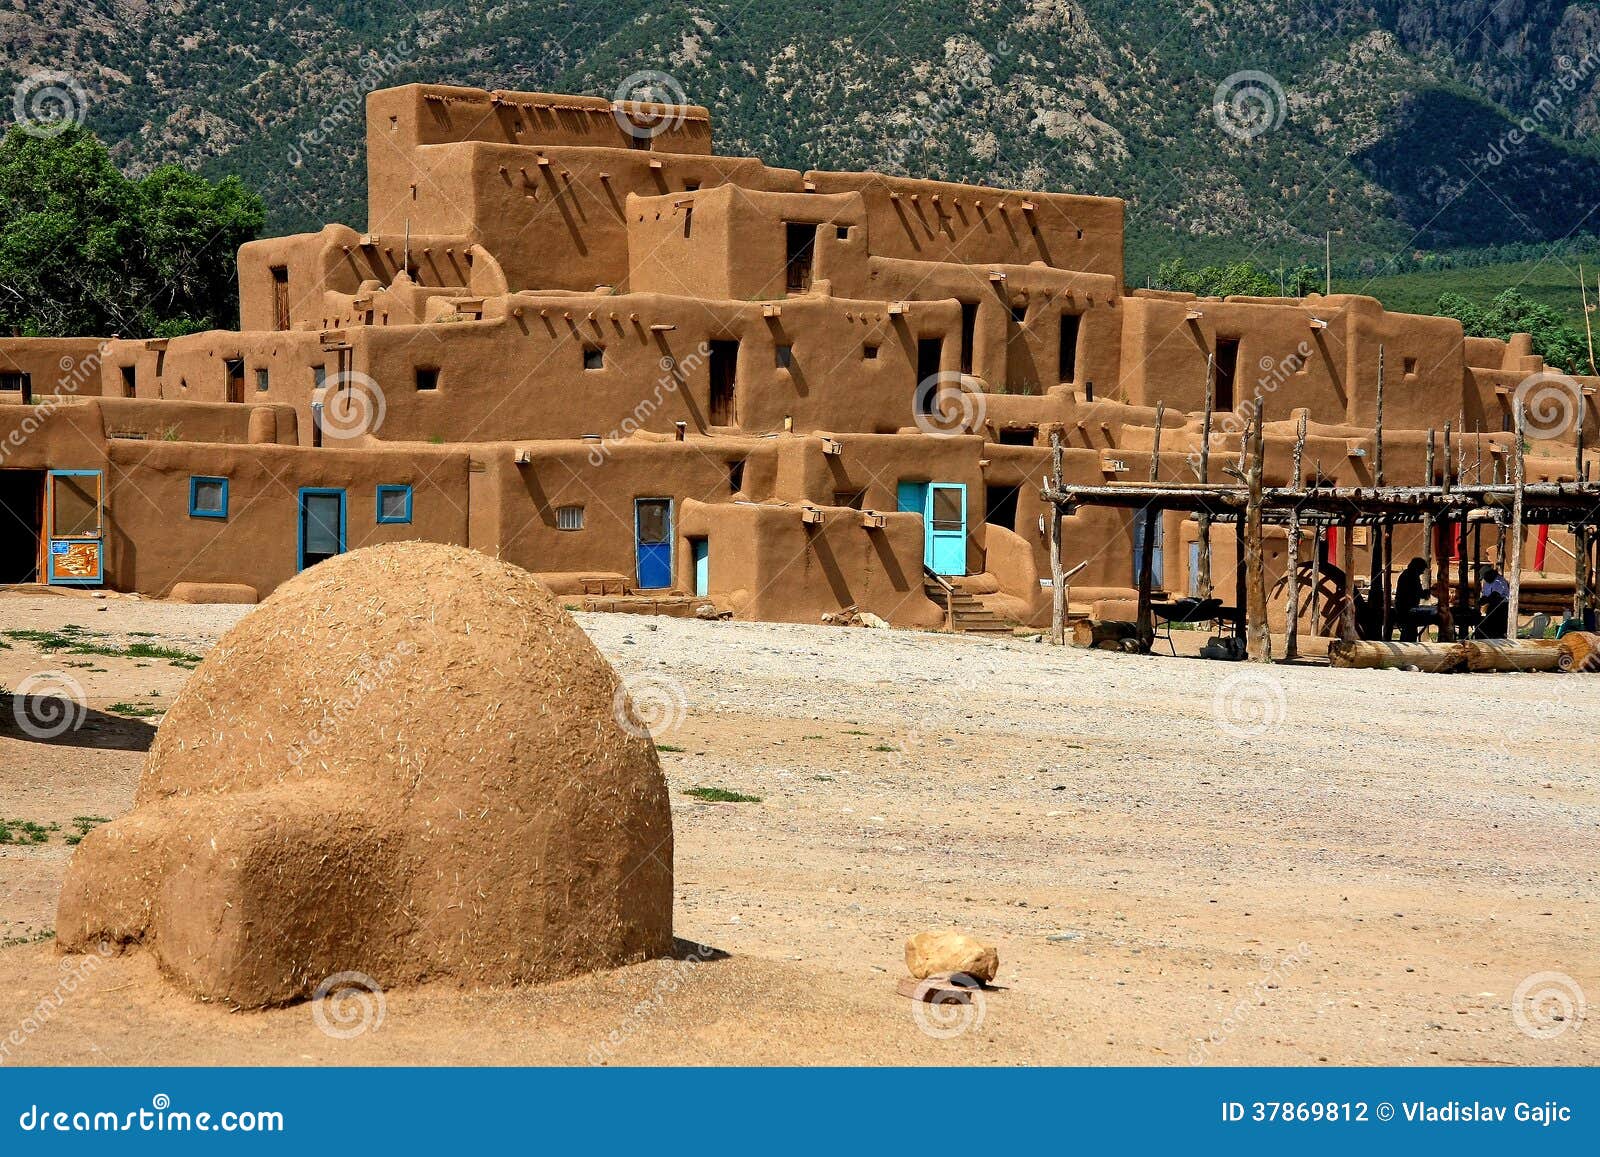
1058 586
1291 647
1579 652
1105 634
1370 654
1258 639
1150 518
1203 528
1513 654
1514 570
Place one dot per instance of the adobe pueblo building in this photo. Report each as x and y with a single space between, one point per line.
575 338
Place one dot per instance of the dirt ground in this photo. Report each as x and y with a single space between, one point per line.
1180 861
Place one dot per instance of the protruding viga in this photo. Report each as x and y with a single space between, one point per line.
407 763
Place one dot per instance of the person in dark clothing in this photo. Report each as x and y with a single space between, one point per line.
1494 603
1410 610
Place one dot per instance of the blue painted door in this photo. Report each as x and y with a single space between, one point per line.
946 519
700 548
943 506
322 524
1157 563
652 531
74 517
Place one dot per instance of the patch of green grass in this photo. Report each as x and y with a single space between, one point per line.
84 824
74 641
884 747
36 938
25 832
135 710
667 747
858 733
823 778
720 795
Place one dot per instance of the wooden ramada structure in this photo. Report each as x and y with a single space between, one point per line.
573 336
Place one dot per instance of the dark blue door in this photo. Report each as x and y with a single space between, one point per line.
652 528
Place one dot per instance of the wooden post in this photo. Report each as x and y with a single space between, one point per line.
1291 646
1147 549
1058 594
1258 636
1441 586
1580 532
1427 518
1379 584
1347 560
1203 523
1155 449
1514 571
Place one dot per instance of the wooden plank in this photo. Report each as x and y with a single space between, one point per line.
1203 525
1058 592
1514 571
1258 638
1291 647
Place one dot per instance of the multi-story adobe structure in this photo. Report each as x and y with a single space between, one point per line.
574 337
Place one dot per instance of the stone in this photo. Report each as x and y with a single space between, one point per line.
947 953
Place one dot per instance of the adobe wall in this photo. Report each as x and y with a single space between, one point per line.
153 542
54 365
970 224
767 563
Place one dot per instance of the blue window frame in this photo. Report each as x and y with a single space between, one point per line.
208 497
394 504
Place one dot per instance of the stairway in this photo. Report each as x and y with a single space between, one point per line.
969 614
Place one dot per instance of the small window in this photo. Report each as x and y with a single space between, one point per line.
1019 436
1019 313
783 355
869 352
569 518
594 357
842 232
208 497
427 378
130 380
736 476
690 186
319 376
263 379
394 504
853 499
1410 365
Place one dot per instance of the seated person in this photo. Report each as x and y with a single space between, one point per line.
1494 595
1410 611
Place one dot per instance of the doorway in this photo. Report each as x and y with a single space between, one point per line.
652 532
724 383
800 243
943 506
1227 369
700 552
21 519
322 524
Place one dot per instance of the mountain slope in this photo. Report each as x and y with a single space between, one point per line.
1389 123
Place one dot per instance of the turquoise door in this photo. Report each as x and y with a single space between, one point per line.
322 524
701 550
943 506
652 524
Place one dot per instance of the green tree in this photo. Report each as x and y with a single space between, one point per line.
86 251
1511 312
